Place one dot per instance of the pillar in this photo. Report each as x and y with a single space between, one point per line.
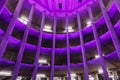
10 28
22 46
82 48
68 49
98 45
37 57
2 5
110 28
53 50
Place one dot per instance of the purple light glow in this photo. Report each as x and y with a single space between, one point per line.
112 11
51 8
69 6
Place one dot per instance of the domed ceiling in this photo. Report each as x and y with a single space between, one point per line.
61 7
80 42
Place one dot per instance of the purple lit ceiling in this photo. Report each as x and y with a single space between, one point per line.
26 49
61 7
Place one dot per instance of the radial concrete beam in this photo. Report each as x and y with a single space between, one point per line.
22 46
98 45
110 28
38 51
53 49
82 48
68 48
10 28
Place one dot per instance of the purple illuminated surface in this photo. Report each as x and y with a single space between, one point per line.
47 7
68 6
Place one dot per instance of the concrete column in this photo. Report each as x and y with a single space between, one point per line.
53 49
22 46
82 48
10 28
99 48
2 5
110 28
117 2
36 65
68 48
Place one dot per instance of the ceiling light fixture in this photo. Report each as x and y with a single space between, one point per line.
5 73
88 23
41 75
57 78
19 78
47 28
91 77
42 61
100 71
97 56
70 29
23 19
73 75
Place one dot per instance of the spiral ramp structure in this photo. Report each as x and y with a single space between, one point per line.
59 39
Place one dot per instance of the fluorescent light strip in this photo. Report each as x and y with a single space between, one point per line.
23 19
97 56
91 77
73 76
70 29
41 75
42 61
47 28
5 73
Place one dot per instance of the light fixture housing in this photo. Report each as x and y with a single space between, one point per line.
23 19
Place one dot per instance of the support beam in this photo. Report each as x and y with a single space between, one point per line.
110 28
68 49
53 50
98 45
36 65
82 48
117 2
22 46
10 28
2 5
